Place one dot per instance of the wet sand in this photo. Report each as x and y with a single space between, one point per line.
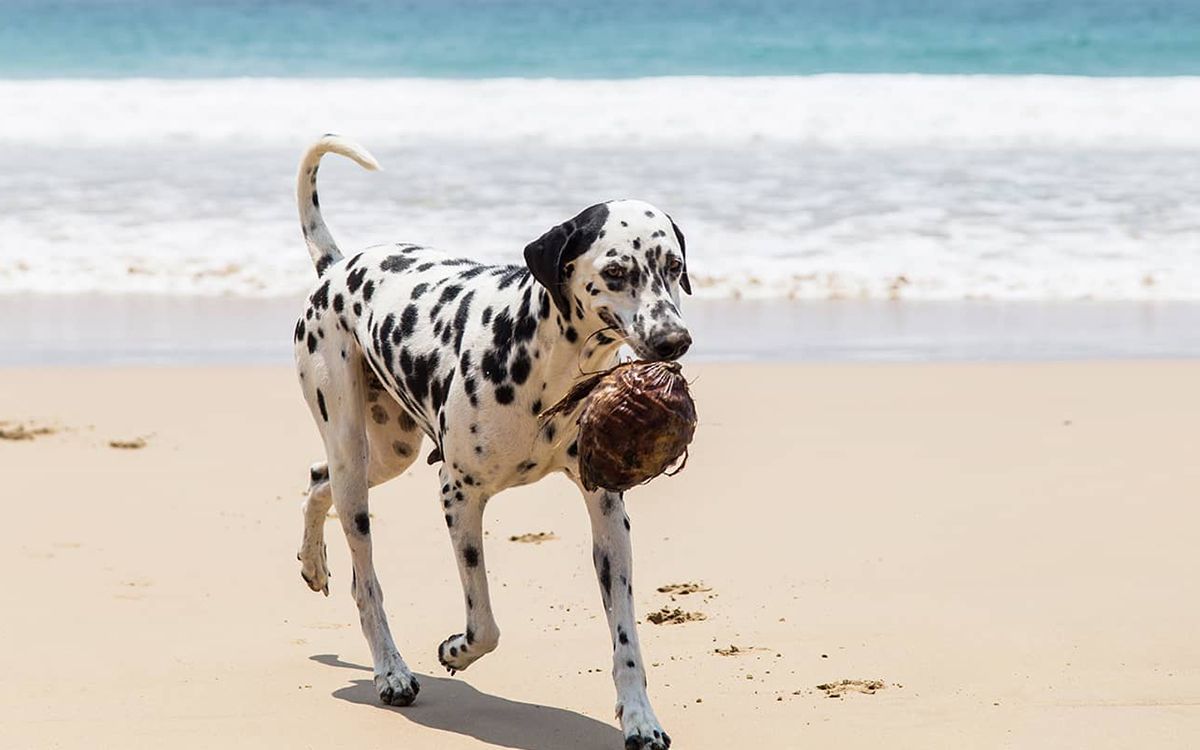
148 329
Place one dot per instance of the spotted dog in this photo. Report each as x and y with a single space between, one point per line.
401 343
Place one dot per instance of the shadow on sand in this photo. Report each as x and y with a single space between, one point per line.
452 705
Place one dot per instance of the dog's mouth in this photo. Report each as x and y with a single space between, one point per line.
614 331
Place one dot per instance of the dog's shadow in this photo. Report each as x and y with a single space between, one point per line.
452 705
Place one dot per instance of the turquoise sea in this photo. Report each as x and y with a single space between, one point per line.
848 149
616 39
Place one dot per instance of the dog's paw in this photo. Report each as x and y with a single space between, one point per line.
454 653
460 651
397 688
313 569
641 729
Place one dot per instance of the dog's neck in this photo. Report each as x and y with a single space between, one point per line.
571 349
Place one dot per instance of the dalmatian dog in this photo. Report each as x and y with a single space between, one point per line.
401 343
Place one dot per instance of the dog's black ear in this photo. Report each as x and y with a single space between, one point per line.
684 281
544 258
548 255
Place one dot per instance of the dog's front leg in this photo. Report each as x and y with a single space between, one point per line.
613 557
463 504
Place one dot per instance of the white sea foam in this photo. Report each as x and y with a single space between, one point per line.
929 187
841 111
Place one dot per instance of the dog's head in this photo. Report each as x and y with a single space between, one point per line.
619 265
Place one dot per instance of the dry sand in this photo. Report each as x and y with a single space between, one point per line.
1011 550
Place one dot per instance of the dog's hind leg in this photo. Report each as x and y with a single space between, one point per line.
394 440
338 388
613 558
313 568
463 503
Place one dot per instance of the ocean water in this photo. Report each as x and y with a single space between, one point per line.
867 150
614 39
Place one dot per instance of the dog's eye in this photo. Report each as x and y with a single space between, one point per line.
613 272
674 265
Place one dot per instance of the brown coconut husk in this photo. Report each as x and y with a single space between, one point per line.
635 421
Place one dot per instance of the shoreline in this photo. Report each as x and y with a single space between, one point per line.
116 330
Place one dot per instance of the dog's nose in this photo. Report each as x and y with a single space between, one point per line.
673 345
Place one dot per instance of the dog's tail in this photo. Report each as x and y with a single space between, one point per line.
321 247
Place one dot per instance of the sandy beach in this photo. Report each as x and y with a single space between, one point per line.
1009 549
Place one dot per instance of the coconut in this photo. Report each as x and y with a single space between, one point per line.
635 421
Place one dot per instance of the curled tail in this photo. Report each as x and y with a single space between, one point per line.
321 247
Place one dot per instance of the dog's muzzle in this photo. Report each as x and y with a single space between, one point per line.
671 345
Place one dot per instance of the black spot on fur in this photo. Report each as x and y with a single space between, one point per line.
502 330
606 576
320 298
408 321
520 367
312 343
355 279
504 394
321 405
511 275
396 263
362 522
418 371
449 293
461 318
492 368
470 556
